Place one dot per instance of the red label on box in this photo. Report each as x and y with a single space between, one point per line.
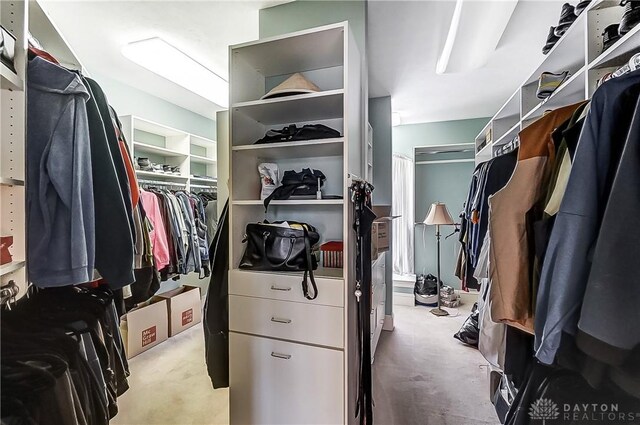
187 317
149 336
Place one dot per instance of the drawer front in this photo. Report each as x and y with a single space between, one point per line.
277 382
313 324
277 286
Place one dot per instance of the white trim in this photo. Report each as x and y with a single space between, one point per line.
388 323
445 161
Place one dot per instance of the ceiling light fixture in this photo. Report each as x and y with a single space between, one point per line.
163 59
443 61
395 119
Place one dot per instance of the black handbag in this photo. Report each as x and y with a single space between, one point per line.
274 248
293 183
292 133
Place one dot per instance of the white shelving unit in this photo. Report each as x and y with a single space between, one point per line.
322 332
579 51
166 145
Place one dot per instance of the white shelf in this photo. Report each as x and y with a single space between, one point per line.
201 159
485 153
571 91
298 108
144 147
155 128
299 149
291 202
11 267
203 180
11 182
160 176
508 136
620 52
202 141
10 79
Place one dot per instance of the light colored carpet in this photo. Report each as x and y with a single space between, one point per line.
423 376
169 385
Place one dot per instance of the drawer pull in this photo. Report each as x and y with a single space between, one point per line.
277 288
280 356
277 320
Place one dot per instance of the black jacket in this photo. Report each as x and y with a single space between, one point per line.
114 243
216 308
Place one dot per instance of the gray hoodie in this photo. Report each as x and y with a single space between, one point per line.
60 217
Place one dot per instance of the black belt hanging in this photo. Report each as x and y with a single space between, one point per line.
363 219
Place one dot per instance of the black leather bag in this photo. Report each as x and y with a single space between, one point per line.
303 183
274 248
292 133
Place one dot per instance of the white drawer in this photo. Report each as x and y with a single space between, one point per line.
277 382
313 324
286 287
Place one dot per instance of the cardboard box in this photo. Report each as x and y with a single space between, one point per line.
380 237
145 326
184 308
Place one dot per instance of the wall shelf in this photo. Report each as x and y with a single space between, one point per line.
10 80
290 109
11 267
201 159
212 181
4 181
291 202
158 150
160 176
298 149
570 91
620 52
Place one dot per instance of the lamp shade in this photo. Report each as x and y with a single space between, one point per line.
438 214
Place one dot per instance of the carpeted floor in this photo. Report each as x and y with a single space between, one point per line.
422 376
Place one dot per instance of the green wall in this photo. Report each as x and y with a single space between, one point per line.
406 137
448 183
304 14
128 100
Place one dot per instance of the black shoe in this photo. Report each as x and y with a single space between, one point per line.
630 17
567 16
610 36
581 6
552 39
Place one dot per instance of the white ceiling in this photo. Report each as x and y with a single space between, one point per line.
97 30
405 39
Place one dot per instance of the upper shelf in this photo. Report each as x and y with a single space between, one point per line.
298 52
201 159
303 107
158 150
299 149
569 92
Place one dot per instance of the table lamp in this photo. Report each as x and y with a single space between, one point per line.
438 215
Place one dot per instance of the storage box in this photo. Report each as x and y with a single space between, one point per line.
184 308
145 326
380 237
332 254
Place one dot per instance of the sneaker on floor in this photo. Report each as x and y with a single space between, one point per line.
581 6
631 16
549 82
567 17
552 39
610 35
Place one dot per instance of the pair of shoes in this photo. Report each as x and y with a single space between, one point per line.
581 6
549 82
630 18
567 17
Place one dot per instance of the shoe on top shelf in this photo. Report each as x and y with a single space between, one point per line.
581 6
630 17
552 39
610 35
567 17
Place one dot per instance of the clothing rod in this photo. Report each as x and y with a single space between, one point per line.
444 161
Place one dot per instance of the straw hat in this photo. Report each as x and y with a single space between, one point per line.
296 84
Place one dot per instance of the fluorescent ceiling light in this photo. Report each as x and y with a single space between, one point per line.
443 61
163 59
395 119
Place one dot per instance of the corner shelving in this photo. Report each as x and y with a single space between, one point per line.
579 51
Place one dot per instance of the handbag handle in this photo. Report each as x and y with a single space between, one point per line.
265 235
309 270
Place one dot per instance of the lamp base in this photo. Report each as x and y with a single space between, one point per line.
439 312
